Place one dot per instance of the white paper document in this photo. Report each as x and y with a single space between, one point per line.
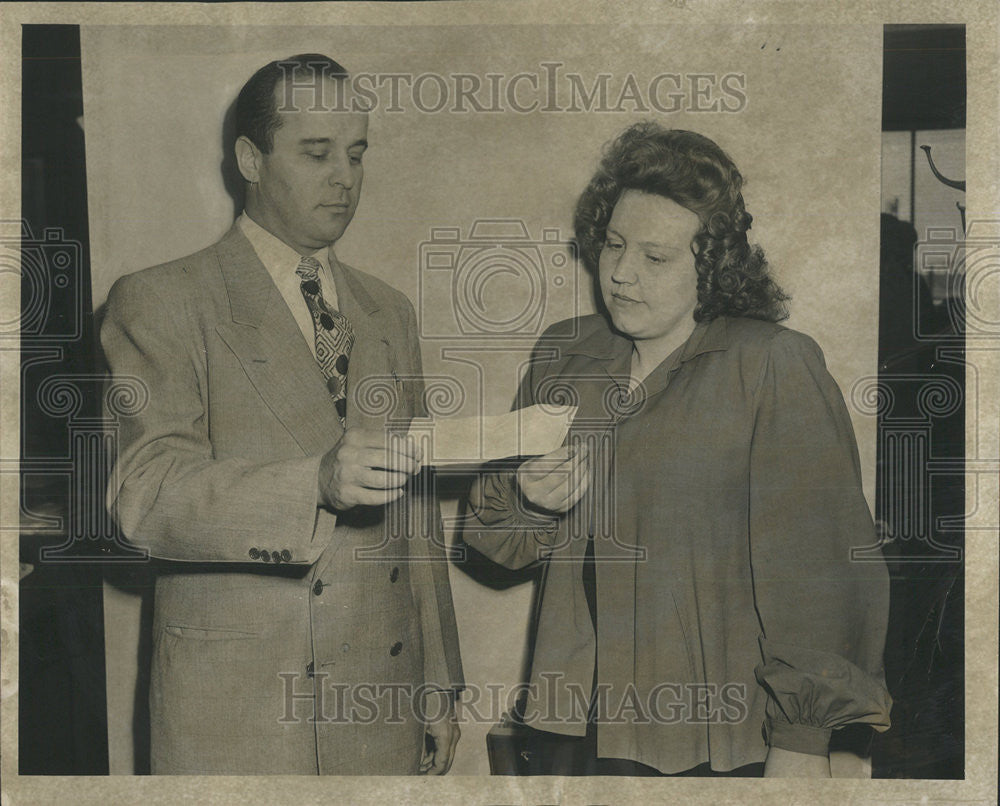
531 431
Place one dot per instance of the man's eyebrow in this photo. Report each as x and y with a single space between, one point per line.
316 141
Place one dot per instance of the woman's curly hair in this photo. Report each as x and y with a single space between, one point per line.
691 170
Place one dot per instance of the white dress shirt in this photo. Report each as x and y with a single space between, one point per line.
281 260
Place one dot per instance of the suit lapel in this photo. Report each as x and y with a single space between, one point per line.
371 363
270 347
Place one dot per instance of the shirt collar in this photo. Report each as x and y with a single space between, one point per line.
605 344
707 337
278 257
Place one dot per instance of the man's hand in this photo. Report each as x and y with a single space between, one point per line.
442 731
556 481
367 468
783 763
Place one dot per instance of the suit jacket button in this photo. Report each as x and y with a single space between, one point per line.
318 587
265 555
396 648
394 574
286 555
254 554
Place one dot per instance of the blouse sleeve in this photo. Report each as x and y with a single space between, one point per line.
501 524
823 615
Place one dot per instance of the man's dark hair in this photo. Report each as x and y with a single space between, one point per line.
257 116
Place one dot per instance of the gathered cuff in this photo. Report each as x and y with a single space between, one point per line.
812 693
798 738
500 503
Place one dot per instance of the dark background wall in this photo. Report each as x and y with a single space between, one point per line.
62 722
924 88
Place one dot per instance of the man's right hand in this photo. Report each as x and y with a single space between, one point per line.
367 468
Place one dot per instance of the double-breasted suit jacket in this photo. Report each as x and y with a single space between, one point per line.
287 638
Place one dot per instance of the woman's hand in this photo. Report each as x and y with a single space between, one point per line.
555 482
783 763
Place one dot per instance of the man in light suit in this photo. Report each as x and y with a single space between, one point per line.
303 621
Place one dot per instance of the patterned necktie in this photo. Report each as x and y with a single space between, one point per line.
334 335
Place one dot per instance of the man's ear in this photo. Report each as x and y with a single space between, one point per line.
248 159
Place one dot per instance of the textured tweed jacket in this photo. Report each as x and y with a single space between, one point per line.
286 639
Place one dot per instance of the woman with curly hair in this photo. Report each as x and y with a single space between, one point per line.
699 611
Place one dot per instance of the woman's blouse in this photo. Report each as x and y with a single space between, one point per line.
734 608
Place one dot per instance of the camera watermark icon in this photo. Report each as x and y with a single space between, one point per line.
966 266
498 281
48 267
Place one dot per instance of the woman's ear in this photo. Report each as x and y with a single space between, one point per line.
248 159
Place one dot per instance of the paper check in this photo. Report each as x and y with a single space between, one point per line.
531 431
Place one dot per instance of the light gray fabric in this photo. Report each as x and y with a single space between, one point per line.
220 466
